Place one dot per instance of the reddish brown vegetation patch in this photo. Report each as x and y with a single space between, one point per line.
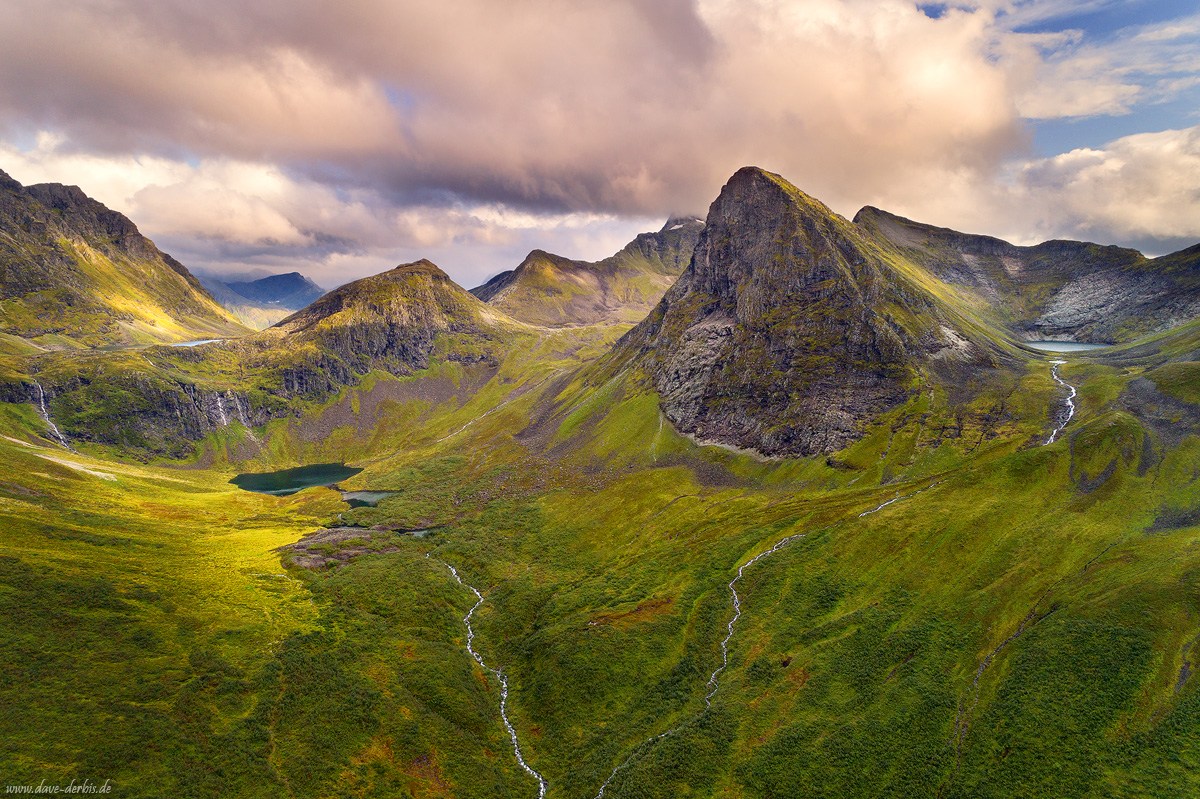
646 611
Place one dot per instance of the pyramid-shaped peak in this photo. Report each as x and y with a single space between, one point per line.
759 185
541 255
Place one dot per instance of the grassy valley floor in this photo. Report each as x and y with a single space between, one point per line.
1021 621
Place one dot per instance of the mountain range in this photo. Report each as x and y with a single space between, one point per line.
770 504
262 302
1066 290
550 290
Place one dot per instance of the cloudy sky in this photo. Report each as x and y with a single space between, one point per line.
341 137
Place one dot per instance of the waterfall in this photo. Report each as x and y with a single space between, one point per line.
55 434
221 411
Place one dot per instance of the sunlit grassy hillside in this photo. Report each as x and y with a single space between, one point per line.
941 604
75 274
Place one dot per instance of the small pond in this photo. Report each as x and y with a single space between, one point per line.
1064 346
289 481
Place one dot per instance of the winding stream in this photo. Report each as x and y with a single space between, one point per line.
714 681
499 675
1070 401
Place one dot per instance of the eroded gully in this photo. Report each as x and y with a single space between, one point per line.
714 680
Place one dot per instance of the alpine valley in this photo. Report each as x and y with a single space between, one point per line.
769 504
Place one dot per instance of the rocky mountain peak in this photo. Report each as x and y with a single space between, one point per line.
7 182
92 215
423 266
765 239
78 269
787 332
541 258
391 321
681 222
415 291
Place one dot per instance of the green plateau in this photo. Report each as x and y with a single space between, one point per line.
815 522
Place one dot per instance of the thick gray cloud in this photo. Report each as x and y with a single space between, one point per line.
625 106
344 136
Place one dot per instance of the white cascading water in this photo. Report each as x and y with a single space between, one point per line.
713 681
44 412
499 675
1070 401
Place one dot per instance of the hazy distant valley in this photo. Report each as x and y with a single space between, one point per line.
767 504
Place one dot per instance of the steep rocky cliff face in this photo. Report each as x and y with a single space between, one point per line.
787 332
75 273
553 291
1057 289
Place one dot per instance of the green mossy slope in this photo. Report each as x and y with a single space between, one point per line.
73 273
958 610
553 291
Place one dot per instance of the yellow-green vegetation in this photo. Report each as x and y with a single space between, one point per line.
958 610
73 273
549 290
604 542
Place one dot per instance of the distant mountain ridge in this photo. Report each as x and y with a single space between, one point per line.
263 302
291 290
256 315
1058 289
553 291
76 273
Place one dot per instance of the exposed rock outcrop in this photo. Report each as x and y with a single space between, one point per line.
1058 289
787 332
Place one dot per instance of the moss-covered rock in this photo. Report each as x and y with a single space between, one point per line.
788 330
